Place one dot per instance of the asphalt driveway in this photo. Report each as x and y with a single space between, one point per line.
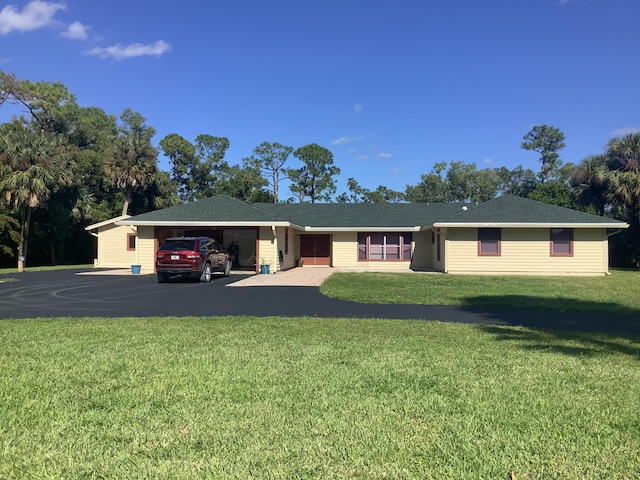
66 294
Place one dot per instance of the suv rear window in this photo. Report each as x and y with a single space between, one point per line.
177 245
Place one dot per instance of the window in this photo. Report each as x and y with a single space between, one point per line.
131 241
489 241
561 242
384 246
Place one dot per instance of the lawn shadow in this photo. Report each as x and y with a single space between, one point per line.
575 344
553 304
567 326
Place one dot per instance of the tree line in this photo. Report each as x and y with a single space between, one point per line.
63 167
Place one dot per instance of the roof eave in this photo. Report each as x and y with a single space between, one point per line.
106 222
169 223
362 229
529 225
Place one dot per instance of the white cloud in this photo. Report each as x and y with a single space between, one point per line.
76 31
343 140
36 14
5 60
395 170
488 161
621 132
358 108
385 155
120 51
362 157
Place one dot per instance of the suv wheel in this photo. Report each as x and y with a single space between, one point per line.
227 269
163 278
206 273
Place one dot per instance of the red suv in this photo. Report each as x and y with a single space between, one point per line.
191 257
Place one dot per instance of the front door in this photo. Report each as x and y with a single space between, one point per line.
315 249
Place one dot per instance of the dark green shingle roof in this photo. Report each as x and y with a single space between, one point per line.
513 209
223 209
220 208
361 215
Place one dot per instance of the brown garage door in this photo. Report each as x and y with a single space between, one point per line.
315 249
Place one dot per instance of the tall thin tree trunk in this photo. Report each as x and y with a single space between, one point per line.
127 200
52 251
23 243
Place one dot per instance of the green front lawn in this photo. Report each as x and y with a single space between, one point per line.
245 397
46 268
616 293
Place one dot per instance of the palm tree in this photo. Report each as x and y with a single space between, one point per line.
623 175
622 179
32 165
589 184
131 163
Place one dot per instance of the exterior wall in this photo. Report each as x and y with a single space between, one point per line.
527 252
146 250
345 250
440 264
423 251
112 247
267 248
288 256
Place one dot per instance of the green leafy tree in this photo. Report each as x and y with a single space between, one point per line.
50 104
432 187
519 181
455 182
182 155
32 165
131 162
196 168
555 192
546 140
9 237
622 179
210 151
315 180
270 159
623 173
244 183
383 194
355 194
588 184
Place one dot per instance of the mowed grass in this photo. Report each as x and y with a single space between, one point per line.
615 293
268 398
46 268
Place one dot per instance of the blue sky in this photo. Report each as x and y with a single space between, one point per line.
389 87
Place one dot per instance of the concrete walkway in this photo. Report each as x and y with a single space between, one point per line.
295 277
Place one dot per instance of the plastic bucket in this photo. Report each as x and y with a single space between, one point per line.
135 269
264 268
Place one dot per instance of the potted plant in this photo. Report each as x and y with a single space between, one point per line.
264 265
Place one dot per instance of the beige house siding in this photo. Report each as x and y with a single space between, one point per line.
440 264
423 251
345 250
288 254
268 248
146 250
112 247
527 252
